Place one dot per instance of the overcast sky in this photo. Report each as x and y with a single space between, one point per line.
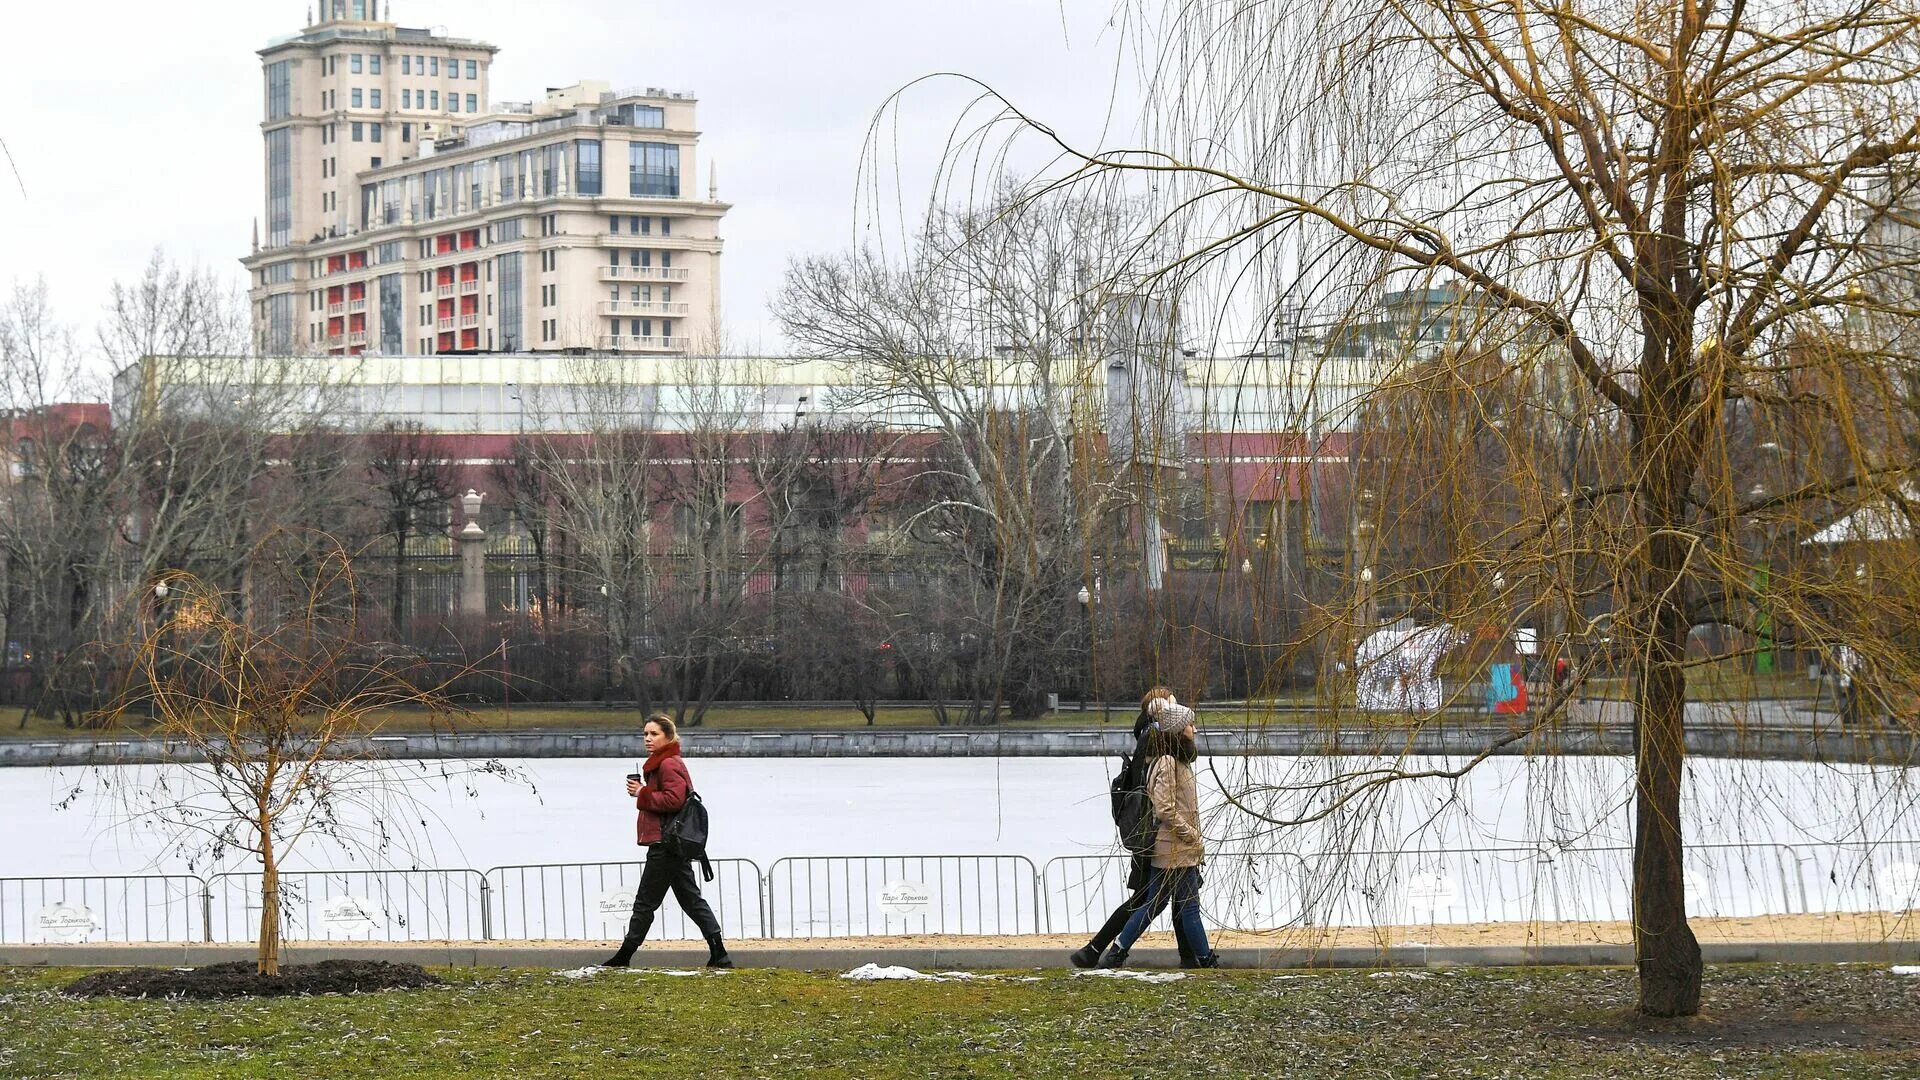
135 123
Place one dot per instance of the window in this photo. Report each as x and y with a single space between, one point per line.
436 99
666 328
642 225
666 259
419 65
406 65
279 273
353 64
358 130
376 136
406 133
390 252
473 103
453 102
358 103
278 104
513 229
406 99
373 65
614 222
374 98
453 69
666 226
511 297
279 187
649 116
473 69
436 66
654 170
586 181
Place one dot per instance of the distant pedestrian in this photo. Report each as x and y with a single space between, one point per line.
659 792
1847 671
1178 849
1089 955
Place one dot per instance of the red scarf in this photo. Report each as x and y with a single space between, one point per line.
668 749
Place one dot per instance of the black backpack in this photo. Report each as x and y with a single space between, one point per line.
685 834
1132 810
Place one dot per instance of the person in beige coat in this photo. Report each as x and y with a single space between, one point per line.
1178 850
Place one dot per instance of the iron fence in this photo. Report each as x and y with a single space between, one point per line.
159 907
882 895
874 895
354 905
592 901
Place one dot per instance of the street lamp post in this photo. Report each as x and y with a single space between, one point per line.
1086 626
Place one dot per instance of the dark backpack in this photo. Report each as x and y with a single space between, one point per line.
1132 810
685 834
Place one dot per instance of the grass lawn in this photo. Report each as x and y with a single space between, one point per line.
1763 1022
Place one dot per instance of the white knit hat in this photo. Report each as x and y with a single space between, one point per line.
1170 716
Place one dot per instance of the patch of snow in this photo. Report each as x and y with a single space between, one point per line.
679 972
876 973
587 972
1905 969
1137 976
1401 975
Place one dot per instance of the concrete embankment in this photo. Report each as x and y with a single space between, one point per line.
1452 737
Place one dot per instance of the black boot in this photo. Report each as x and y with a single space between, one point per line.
1211 960
1085 956
1187 959
1116 957
717 952
637 928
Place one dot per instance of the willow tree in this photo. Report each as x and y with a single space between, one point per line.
1684 223
278 692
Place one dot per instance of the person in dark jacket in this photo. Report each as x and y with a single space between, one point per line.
1089 955
659 794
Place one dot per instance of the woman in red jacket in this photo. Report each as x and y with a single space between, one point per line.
664 791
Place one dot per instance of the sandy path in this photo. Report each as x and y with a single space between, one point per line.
1850 927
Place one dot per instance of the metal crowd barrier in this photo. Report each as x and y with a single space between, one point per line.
166 907
354 905
880 895
874 895
592 901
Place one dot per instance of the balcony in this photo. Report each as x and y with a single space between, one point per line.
642 307
335 341
357 339
642 273
445 292
357 307
470 322
470 288
336 309
445 325
629 343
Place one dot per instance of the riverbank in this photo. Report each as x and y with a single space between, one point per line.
1604 730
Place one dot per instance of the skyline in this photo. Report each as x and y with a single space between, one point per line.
788 138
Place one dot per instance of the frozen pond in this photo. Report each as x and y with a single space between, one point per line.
1516 838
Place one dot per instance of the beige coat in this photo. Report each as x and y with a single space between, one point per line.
1176 803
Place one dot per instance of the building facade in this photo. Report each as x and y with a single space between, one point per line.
409 214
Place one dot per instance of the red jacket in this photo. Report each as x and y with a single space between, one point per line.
667 785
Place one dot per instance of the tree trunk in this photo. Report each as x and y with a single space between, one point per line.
269 954
1665 950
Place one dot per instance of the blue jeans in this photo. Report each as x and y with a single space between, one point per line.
1184 882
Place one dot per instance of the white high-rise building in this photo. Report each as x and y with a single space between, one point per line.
408 214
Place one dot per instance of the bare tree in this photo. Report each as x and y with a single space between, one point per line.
988 336
277 692
410 480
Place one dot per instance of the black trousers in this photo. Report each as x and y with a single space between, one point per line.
666 873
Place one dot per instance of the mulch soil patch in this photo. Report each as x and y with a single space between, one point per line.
240 979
